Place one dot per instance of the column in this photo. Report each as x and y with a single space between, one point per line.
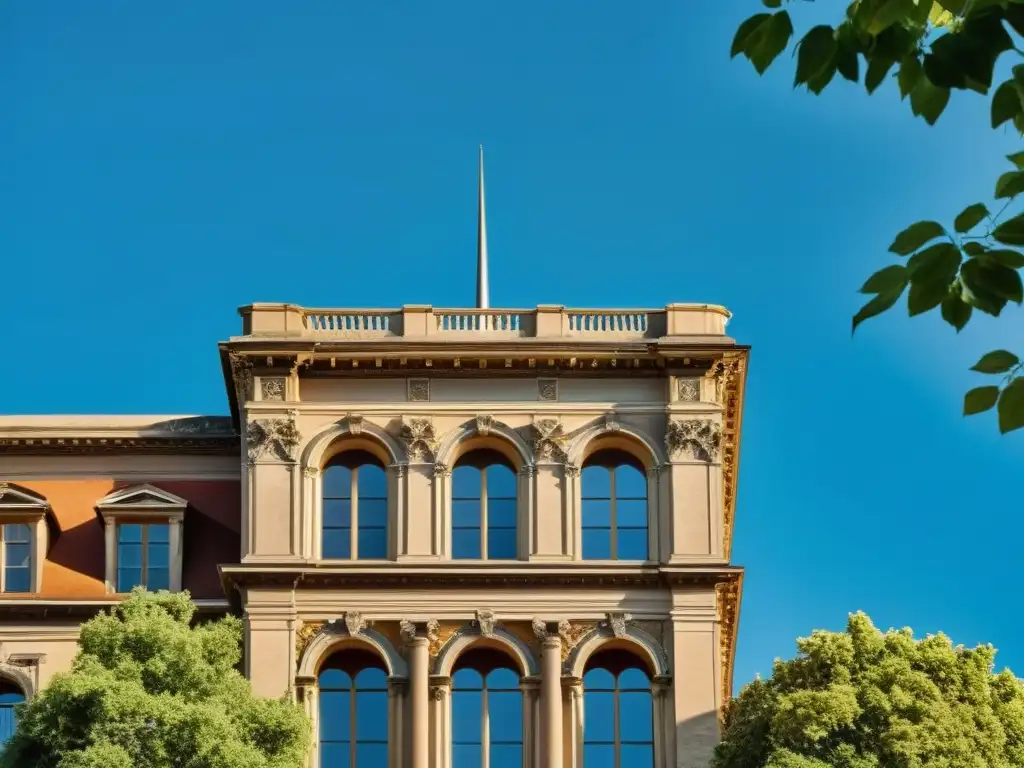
551 699
661 686
574 739
440 730
110 541
174 545
306 696
529 687
397 688
419 695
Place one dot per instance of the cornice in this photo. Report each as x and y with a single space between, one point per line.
729 594
73 445
38 609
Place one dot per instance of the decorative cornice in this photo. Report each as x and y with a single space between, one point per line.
220 445
729 374
703 437
728 596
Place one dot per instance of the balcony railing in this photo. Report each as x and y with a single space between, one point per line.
544 321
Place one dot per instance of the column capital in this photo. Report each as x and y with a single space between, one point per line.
415 631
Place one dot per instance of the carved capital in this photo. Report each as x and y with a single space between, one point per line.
421 442
277 437
572 470
702 437
442 470
311 471
398 470
527 470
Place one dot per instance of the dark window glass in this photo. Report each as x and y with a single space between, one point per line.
618 719
353 718
143 556
17 538
9 696
484 498
614 514
487 719
355 493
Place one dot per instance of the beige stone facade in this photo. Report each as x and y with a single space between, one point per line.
547 394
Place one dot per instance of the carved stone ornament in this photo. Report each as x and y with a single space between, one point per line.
702 437
241 372
611 422
419 390
618 622
420 440
437 692
311 471
540 628
486 621
354 422
572 470
548 440
484 424
355 622
722 372
688 389
442 470
408 630
272 388
305 633
547 389
278 437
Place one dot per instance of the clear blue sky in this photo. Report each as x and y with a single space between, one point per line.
162 164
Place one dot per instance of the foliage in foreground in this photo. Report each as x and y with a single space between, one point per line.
864 699
149 690
930 47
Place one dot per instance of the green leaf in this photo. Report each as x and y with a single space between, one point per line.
1001 281
956 311
925 296
1011 406
1017 159
848 62
1011 232
973 248
928 101
770 42
815 51
1006 103
1010 185
746 33
970 217
878 68
1015 15
888 13
1011 259
999 361
976 291
914 236
818 83
877 306
980 399
909 75
772 3
935 264
887 279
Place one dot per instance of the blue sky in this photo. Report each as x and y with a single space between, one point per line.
164 164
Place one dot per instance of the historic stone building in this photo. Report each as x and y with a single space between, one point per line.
461 537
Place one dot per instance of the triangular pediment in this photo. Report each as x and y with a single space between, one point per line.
13 496
141 496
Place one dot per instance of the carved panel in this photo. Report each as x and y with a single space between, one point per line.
272 388
549 440
702 437
547 389
419 390
420 440
306 632
277 437
688 389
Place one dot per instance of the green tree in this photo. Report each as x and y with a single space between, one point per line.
931 48
864 699
149 689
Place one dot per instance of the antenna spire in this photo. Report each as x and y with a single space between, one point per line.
483 297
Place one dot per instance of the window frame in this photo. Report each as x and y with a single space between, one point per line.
338 460
485 741
22 506
466 461
613 526
143 505
616 692
352 695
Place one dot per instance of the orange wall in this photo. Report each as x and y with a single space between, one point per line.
74 565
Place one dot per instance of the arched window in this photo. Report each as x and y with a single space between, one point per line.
614 507
618 715
10 695
487 712
355 507
353 711
484 507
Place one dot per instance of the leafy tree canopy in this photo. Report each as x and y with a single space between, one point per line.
930 48
150 690
864 699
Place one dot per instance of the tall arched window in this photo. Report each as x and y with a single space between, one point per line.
10 695
614 507
353 711
484 507
355 507
487 713
618 715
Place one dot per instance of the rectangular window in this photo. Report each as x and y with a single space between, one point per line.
17 542
143 556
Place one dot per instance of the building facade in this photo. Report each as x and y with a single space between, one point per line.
458 538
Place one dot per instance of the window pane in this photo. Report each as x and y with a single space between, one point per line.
372 679
129 532
599 680
630 483
372 482
334 754
597 544
371 716
632 544
334 679
599 716
156 532
334 715
631 513
370 755
502 679
466 717
501 513
17 555
465 513
17 579
596 483
337 512
501 544
373 543
466 756
466 544
158 555
637 756
501 482
17 533
601 756
337 542
129 555
337 483
506 716
467 680
596 513
466 483
633 679
158 578
506 755
635 717
373 513
128 578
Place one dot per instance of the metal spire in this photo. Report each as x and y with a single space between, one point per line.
483 294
